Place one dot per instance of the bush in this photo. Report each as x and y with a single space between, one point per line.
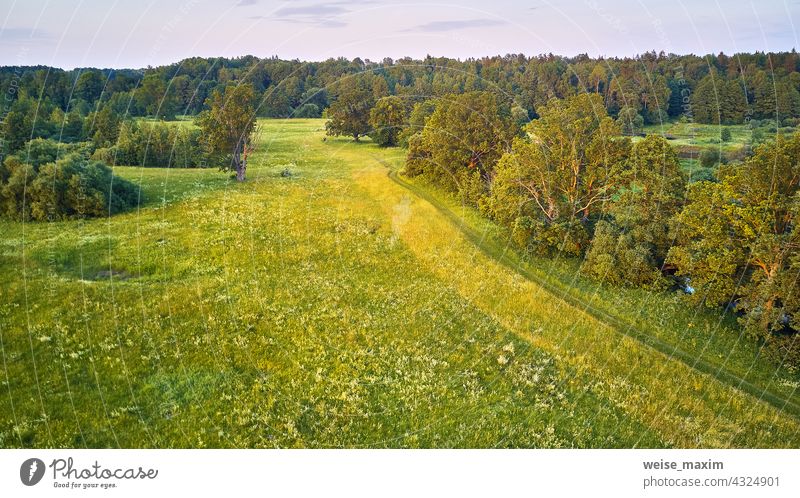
711 158
784 350
725 135
791 122
618 258
44 150
71 187
702 175
630 121
757 136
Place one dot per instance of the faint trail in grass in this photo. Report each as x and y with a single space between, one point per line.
513 262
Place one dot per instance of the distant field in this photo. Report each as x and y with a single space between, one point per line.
691 139
336 306
688 133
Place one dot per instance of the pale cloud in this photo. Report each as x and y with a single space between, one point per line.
440 26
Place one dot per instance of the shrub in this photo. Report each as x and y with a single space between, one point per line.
725 135
702 175
620 259
757 136
44 150
71 187
711 158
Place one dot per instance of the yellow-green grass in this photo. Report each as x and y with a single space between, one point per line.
332 308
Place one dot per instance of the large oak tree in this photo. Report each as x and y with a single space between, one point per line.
557 177
462 141
630 244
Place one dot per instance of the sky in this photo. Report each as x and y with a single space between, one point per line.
141 33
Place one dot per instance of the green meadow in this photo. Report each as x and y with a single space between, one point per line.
330 302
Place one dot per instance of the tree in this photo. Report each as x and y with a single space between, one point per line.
416 120
630 121
316 96
705 101
228 127
598 79
738 242
732 102
307 111
387 119
102 127
711 158
462 141
158 145
725 134
630 246
775 99
17 130
153 96
554 181
349 114
520 115
72 127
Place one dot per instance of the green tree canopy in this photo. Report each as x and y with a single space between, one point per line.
70 187
630 245
387 120
630 121
737 239
462 141
228 127
548 188
349 113
417 119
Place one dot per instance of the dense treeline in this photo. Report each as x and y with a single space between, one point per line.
53 103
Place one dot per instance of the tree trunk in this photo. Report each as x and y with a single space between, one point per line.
240 166
240 172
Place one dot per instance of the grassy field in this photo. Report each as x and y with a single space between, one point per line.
690 140
340 307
